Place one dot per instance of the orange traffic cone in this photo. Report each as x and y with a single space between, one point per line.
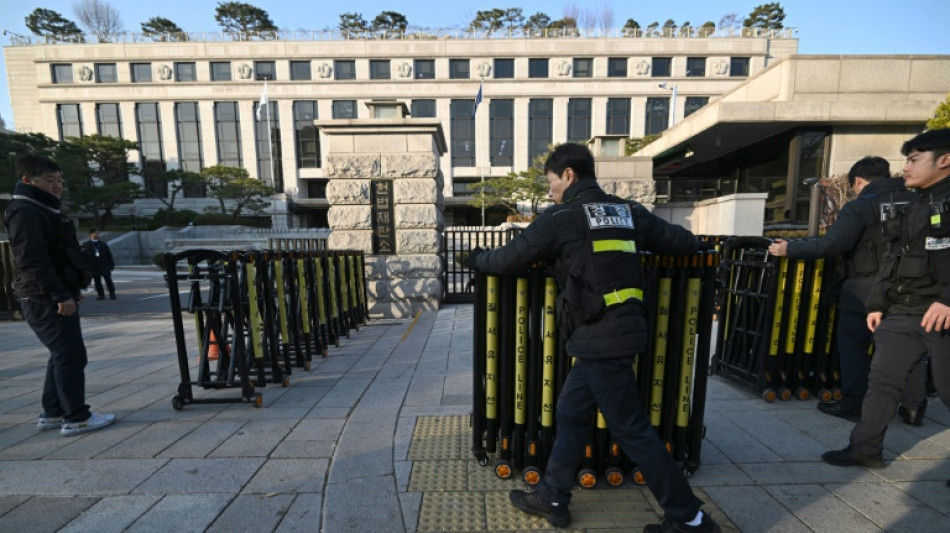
212 347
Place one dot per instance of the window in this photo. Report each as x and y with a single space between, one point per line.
583 67
188 128
267 138
424 68
227 129
504 68
693 103
107 119
540 121
221 71
185 72
501 132
578 119
62 73
695 67
300 70
344 69
265 70
105 73
657 115
141 72
662 67
423 109
70 123
739 67
306 136
617 67
462 126
148 126
344 109
458 69
618 116
379 69
538 68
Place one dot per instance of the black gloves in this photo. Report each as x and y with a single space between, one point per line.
706 246
470 260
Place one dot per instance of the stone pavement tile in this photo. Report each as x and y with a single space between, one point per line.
143 396
89 445
909 445
289 476
12 419
711 455
162 411
365 449
425 390
787 441
181 513
203 440
9 390
100 477
150 441
257 438
831 431
403 470
754 509
10 501
328 412
201 475
820 510
346 393
719 474
345 505
111 514
809 472
934 494
916 470
304 515
252 512
11 434
888 506
411 503
44 513
317 429
299 397
38 445
736 443
24 403
304 449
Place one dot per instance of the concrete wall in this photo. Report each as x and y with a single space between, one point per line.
734 214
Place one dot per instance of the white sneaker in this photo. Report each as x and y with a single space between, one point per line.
49 422
94 422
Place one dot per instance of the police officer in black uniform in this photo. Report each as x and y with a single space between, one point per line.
909 307
592 238
856 237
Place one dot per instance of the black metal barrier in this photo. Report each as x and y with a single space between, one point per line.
260 314
9 306
777 322
520 365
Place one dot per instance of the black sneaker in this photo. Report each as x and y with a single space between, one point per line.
848 457
841 410
707 525
529 502
913 417
112 297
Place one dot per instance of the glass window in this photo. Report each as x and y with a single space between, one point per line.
70 122
105 73
221 71
344 109
227 129
107 118
265 70
504 68
62 73
662 67
617 67
583 67
696 67
463 132
538 68
344 69
148 126
693 103
424 68
185 72
423 109
141 72
739 66
300 70
269 162
618 116
306 136
540 122
379 69
657 115
458 69
188 128
501 135
578 119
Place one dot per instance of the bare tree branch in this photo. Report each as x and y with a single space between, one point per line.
99 17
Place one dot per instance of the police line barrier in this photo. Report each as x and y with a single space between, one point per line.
520 365
777 322
9 306
259 314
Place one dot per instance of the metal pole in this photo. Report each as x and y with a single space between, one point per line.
483 197
814 205
673 106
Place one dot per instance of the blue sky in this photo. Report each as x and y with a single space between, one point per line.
824 26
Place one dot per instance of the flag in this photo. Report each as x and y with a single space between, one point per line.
478 100
263 102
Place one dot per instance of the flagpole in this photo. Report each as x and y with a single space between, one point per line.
481 83
270 143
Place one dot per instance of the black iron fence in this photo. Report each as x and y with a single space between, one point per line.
457 279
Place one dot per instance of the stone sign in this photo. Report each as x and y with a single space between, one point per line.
384 234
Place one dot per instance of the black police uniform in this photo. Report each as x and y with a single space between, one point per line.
856 237
915 273
592 239
100 257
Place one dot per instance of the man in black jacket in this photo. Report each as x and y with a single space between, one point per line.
856 237
592 238
909 306
100 257
52 272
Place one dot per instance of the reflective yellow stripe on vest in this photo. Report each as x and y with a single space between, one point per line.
622 295
613 245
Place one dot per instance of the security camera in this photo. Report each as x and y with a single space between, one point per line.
663 85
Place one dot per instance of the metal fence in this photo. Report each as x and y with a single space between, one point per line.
458 242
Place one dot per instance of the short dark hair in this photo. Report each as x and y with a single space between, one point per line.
92 230
32 165
573 155
936 141
870 168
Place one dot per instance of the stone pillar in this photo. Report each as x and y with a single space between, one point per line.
406 151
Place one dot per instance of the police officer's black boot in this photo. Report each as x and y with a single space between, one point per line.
913 417
706 525
530 503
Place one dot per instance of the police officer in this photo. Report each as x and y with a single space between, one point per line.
100 257
856 237
909 306
592 238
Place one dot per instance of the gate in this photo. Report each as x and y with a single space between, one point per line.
458 281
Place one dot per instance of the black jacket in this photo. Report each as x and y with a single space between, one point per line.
45 249
102 263
856 237
558 237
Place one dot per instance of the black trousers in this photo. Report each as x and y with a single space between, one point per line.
901 345
111 286
611 386
64 390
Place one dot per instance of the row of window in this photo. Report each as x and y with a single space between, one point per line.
381 69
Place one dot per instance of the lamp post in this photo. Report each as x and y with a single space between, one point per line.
671 87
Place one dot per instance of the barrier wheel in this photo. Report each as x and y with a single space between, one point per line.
258 400
769 395
587 478
785 394
638 478
177 404
531 475
503 469
838 395
614 476
336 343
306 366
482 460
325 353
825 395
802 393
285 382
